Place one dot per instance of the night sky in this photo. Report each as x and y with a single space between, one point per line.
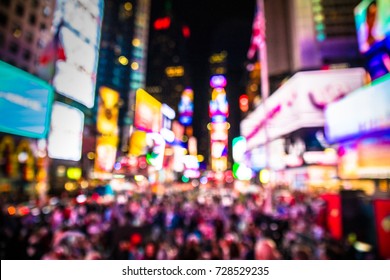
216 25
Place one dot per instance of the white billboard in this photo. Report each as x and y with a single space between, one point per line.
365 111
299 103
66 132
77 24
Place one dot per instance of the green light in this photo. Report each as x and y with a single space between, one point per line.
185 179
320 27
235 168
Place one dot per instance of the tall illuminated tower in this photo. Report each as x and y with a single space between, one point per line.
218 127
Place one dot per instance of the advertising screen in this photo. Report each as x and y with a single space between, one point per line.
77 25
147 112
137 143
382 222
219 107
299 103
372 19
108 111
25 103
366 158
186 107
355 116
105 153
66 132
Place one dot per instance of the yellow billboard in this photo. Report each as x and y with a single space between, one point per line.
106 148
108 111
147 112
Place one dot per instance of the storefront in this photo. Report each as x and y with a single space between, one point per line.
359 125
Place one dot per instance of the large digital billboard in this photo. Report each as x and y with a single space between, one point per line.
106 149
25 103
77 25
147 112
107 126
299 103
186 107
66 132
363 112
365 158
372 19
108 111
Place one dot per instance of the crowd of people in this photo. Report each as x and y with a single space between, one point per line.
191 225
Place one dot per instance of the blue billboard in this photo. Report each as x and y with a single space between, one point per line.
25 103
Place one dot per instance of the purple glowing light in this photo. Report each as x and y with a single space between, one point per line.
218 81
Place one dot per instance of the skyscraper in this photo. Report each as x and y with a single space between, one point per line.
307 35
168 71
122 62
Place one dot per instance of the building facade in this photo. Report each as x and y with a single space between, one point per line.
24 31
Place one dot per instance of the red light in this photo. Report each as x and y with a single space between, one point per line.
162 23
186 32
244 103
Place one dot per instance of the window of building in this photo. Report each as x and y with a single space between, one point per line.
29 37
3 19
2 39
16 30
32 19
35 3
27 55
5 3
13 48
19 10
42 26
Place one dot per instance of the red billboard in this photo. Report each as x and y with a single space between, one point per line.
333 215
382 223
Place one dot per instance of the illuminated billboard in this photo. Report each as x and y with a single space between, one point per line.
77 25
364 111
137 143
106 149
366 158
168 115
107 126
219 107
186 107
299 103
66 132
372 19
219 131
25 103
147 112
108 111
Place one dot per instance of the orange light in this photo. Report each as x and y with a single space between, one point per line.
11 210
